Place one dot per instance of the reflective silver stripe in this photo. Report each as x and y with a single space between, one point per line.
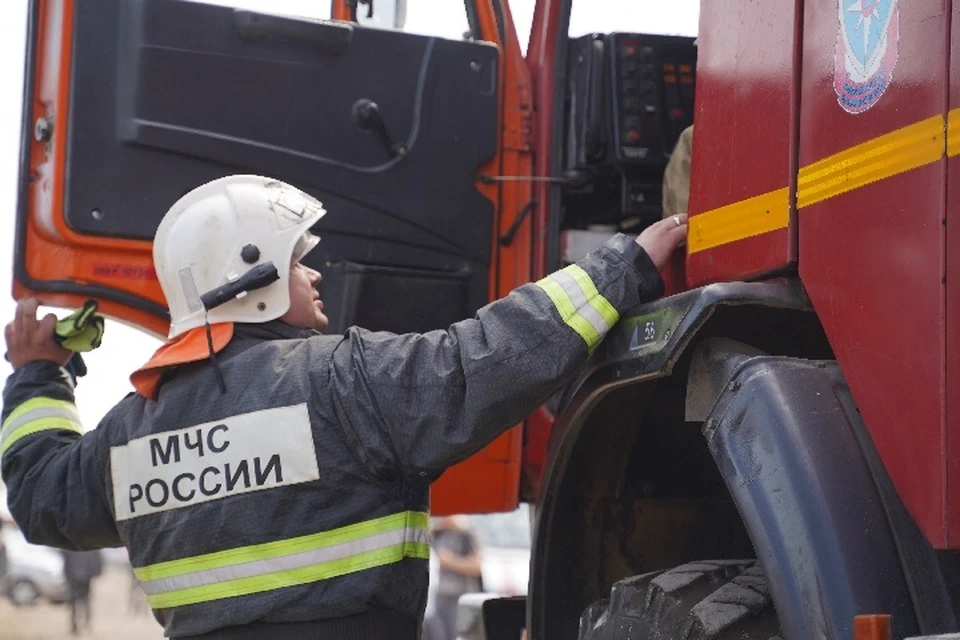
571 288
580 302
285 563
36 414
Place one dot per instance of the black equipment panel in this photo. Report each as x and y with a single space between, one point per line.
629 96
653 95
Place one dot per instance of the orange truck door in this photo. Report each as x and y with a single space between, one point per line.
131 103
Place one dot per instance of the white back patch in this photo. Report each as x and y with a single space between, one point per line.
240 454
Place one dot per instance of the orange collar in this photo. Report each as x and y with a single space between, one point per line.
190 347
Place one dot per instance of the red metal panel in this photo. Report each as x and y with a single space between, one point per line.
743 259
952 220
541 57
872 258
743 131
489 481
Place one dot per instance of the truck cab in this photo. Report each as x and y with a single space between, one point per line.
765 452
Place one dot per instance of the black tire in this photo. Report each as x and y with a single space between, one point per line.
709 600
23 593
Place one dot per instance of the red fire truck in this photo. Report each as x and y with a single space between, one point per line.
768 452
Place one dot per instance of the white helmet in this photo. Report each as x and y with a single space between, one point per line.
217 233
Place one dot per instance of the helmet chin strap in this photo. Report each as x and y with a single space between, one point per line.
213 356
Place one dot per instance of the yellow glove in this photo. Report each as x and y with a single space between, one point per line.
82 330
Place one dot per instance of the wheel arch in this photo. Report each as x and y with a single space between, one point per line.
631 484
596 503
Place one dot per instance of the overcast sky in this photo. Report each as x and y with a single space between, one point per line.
124 348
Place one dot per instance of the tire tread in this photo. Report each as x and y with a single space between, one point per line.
705 600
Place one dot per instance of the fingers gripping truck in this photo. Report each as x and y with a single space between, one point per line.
770 451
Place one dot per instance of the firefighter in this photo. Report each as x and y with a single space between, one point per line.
676 177
268 480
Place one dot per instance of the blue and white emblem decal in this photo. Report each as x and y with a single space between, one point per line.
866 52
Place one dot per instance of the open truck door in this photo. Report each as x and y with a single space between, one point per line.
129 104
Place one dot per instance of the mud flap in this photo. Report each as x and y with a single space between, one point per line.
785 435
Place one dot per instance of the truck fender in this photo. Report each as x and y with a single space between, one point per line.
650 345
790 445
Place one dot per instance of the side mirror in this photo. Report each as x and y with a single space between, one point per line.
382 14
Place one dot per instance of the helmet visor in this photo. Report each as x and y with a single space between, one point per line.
304 245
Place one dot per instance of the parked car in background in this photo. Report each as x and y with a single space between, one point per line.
33 572
505 550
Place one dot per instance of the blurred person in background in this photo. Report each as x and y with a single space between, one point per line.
80 568
458 554
3 560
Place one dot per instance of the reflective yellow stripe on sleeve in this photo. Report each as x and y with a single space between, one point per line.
286 563
579 303
36 415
